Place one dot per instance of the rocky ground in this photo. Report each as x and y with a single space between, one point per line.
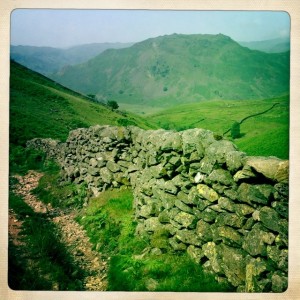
73 235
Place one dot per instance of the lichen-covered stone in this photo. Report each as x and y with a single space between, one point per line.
188 237
230 236
226 203
195 253
152 224
272 168
234 160
185 219
278 256
230 219
245 173
270 218
183 206
210 251
204 231
207 193
256 240
219 150
168 200
243 209
208 215
147 210
253 269
252 194
233 263
177 246
279 282
221 176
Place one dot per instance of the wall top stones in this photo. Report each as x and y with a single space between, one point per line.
229 211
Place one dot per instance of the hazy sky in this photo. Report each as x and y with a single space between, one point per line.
64 28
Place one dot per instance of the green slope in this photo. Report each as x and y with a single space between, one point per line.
48 60
266 134
42 108
177 69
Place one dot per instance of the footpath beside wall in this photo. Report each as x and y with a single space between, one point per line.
192 192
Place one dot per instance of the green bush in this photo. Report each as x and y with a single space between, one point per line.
235 130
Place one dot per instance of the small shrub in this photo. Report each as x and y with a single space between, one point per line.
113 104
235 130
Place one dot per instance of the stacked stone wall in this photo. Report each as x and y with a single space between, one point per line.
192 192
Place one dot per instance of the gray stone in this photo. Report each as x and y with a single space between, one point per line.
270 218
204 231
185 219
233 263
278 256
221 176
152 224
106 175
195 253
226 203
147 210
256 240
253 270
230 219
219 150
243 209
208 215
245 173
271 167
168 200
156 251
279 282
234 160
158 171
177 246
230 236
207 193
202 204
183 206
188 237
253 193
210 251
207 164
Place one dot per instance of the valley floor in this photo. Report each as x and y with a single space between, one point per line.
91 264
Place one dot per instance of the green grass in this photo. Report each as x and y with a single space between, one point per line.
42 261
265 135
41 108
109 222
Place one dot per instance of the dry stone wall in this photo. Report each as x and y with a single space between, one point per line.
192 192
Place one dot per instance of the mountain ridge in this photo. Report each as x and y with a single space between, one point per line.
174 68
48 60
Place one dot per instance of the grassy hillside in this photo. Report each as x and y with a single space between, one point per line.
266 134
41 108
48 60
179 69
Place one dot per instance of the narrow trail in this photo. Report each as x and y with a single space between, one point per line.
74 237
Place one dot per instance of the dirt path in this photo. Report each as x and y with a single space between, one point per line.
73 235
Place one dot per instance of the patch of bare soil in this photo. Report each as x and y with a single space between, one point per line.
74 237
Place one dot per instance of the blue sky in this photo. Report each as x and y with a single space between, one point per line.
65 28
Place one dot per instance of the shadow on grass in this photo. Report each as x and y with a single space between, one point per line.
42 261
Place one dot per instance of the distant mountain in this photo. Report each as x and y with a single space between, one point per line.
48 60
177 68
270 46
42 108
